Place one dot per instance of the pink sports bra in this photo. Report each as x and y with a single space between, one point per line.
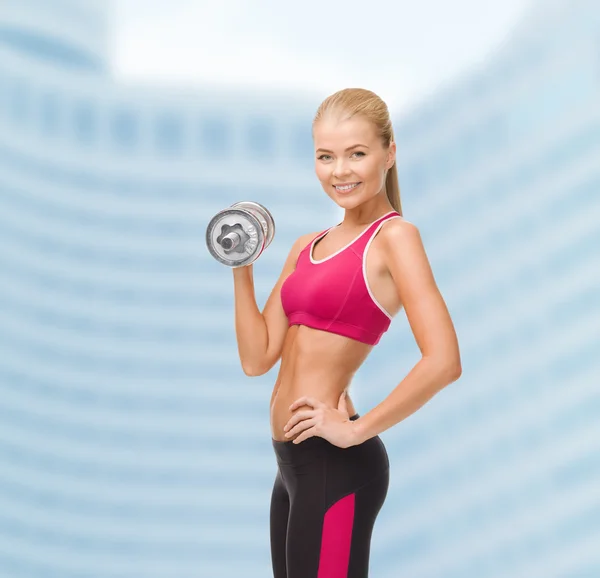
332 294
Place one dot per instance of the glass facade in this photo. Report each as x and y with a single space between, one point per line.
131 442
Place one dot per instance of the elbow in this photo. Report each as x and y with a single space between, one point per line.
261 367
446 370
452 371
456 372
250 371
253 370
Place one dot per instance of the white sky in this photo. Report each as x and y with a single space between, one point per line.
401 49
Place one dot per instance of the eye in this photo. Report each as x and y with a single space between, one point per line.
359 153
321 157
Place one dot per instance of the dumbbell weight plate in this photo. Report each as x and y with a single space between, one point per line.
250 240
263 215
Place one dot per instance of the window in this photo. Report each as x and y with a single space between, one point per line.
49 114
124 129
260 140
18 102
215 137
85 122
169 133
495 130
302 146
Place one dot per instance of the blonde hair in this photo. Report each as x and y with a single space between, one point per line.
351 102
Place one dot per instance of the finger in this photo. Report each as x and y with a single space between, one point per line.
304 400
303 425
298 417
305 435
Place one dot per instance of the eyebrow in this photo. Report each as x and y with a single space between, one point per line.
348 149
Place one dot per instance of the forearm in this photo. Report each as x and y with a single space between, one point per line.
250 326
425 379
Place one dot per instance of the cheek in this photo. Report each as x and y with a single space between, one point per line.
370 171
322 172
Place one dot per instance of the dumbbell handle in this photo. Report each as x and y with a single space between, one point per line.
230 241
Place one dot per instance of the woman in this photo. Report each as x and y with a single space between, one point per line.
337 294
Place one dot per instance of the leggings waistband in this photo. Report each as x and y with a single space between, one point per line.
289 448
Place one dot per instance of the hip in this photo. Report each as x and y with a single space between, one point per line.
315 459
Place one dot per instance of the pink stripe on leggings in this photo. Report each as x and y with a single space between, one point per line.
337 536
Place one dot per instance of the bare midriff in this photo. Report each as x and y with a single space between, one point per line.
317 364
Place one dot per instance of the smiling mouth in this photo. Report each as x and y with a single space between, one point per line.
346 188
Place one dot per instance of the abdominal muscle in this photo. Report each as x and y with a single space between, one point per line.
317 364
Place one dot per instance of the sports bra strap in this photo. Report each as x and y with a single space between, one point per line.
363 241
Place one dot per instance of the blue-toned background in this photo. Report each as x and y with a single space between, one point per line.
131 443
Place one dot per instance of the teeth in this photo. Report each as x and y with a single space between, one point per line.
346 187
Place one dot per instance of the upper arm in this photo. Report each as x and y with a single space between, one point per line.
425 308
275 318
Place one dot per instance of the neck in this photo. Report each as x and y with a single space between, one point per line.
365 215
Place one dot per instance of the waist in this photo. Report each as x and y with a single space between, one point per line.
287 392
287 450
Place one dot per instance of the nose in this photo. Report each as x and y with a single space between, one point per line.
340 168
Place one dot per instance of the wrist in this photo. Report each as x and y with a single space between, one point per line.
358 433
243 270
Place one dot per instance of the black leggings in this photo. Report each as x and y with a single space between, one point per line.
323 507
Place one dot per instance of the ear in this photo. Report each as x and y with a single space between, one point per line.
391 156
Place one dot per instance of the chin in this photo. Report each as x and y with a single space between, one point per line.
350 202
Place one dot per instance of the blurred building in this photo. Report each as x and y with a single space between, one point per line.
497 476
132 444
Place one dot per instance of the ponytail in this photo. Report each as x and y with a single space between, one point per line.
392 188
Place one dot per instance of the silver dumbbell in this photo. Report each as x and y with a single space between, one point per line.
238 235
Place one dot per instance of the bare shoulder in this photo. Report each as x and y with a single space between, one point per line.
404 253
398 228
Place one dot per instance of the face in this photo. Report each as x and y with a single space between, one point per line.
350 153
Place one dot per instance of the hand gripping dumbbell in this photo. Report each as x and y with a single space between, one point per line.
238 235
